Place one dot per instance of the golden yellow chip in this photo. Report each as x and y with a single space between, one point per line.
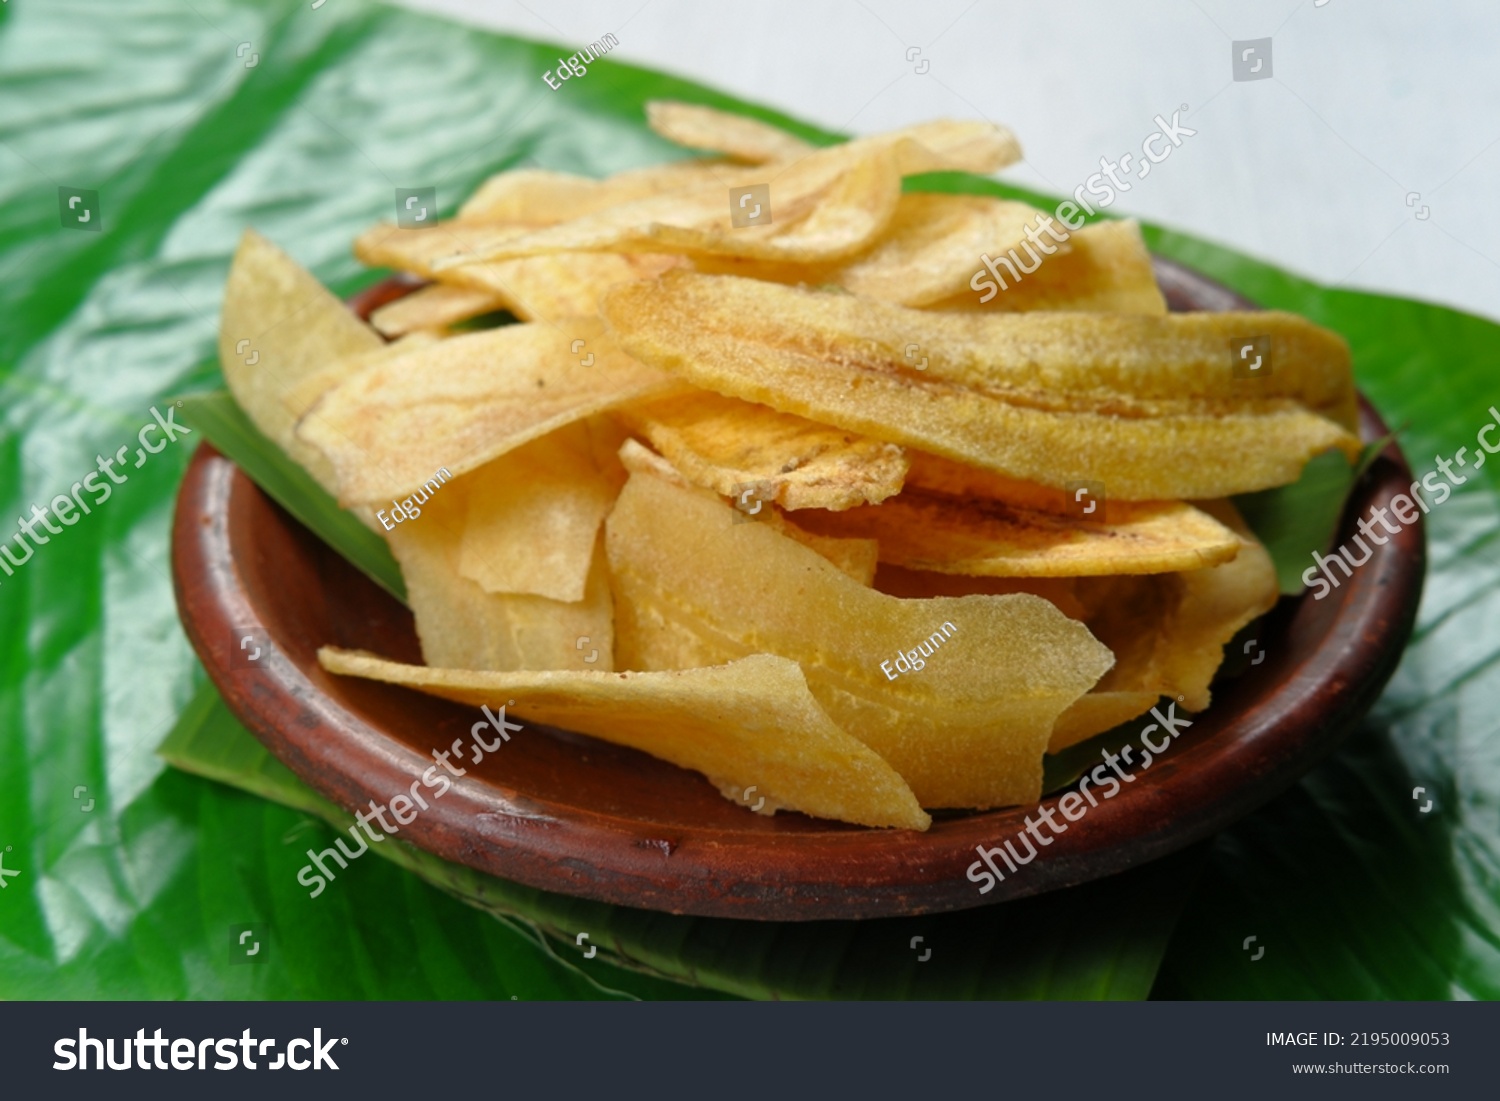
463 627
534 288
1102 268
1144 408
928 252
1168 633
463 401
920 584
956 479
925 255
824 206
738 136
951 145
434 307
537 197
856 557
823 209
279 328
534 517
736 447
749 724
923 530
301 397
1214 605
959 695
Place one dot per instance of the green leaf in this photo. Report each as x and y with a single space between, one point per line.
186 146
1296 520
1044 947
225 426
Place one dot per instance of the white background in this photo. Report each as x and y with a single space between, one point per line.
1370 101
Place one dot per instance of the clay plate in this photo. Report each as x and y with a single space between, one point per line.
570 814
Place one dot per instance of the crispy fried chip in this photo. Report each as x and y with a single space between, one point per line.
466 400
538 197
923 530
954 145
925 255
279 328
751 723
928 251
434 307
1147 406
823 209
1102 268
1168 633
920 584
825 206
956 479
463 627
959 695
313 386
856 557
534 288
738 136
534 516
731 446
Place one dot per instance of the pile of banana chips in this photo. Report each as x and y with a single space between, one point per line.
781 502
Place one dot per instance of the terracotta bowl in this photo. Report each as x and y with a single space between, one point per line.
570 814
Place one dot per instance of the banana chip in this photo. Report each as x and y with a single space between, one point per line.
920 584
1168 633
536 197
465 400
921 530
744 139
858 558
1101 268
736 448
462 626
535 288
959 695
435 307
925 255
279 328
751 723
534 516
825 206
823 209
1147 407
